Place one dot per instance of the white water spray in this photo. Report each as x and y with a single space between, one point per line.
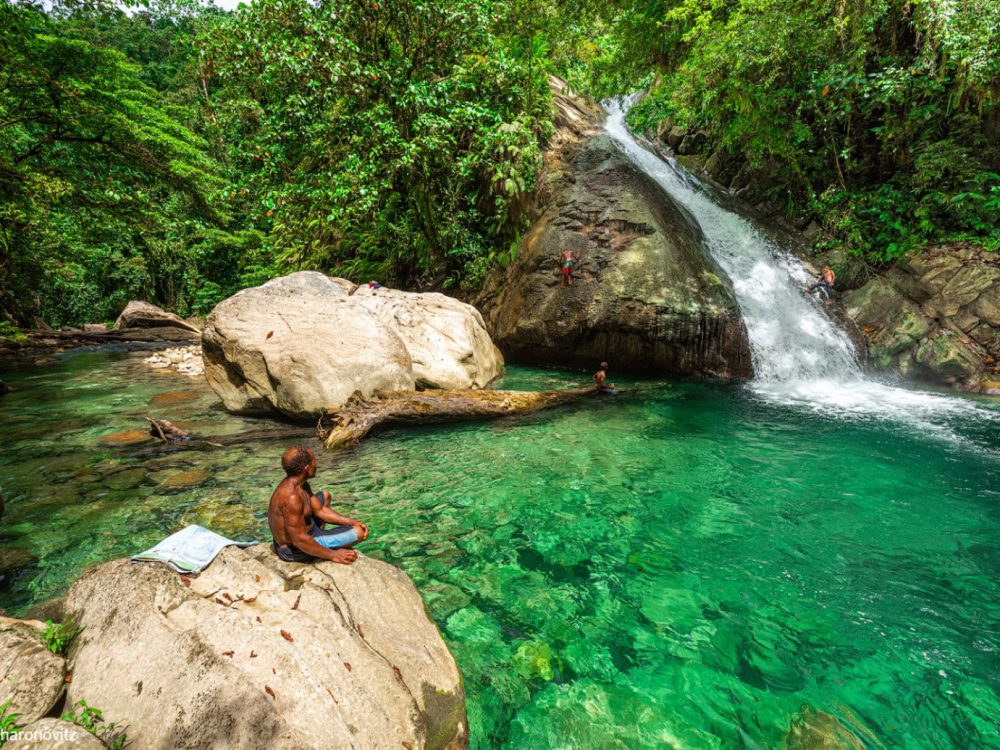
800 357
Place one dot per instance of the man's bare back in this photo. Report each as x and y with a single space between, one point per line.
296 516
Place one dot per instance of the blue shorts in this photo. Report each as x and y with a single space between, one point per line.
338 536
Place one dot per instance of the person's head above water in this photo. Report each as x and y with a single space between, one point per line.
299 460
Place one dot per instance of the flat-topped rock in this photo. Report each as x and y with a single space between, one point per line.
256 652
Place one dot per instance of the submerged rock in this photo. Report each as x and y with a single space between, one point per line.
304 343
184 480
818 730
645 296
30 675
128 437
255 652
13 560
935 316
171 398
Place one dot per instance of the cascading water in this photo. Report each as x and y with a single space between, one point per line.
800 356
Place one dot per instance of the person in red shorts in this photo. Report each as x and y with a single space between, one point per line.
568 259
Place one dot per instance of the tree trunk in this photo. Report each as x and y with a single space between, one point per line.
359 415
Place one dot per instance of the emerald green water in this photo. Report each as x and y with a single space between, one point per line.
685 566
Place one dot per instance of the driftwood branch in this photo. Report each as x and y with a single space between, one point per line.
223 441
360 415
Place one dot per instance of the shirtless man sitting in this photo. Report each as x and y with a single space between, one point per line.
601 381
297 516
825 282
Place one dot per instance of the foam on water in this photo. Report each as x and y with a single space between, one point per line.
800 356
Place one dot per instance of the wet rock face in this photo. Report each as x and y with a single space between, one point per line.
935 317
256 652
645 296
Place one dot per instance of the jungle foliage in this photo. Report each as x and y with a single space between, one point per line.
879 118
176 152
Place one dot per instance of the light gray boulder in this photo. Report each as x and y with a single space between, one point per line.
30 675
256 652
304 343
144 315
447 339
299 345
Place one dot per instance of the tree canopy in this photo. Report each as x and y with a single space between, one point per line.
176 152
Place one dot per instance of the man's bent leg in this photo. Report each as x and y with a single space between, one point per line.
336 537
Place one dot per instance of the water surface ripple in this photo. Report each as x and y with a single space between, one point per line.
686 566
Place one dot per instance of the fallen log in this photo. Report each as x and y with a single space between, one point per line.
360 415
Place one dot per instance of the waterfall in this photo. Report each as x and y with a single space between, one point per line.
800 357
791 339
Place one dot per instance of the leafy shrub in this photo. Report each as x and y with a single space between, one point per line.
57 636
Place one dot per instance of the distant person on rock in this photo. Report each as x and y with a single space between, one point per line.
824 283
297 516
601 381
569 260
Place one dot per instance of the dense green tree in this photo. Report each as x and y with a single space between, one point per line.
881 117
100 183
176 152
387 139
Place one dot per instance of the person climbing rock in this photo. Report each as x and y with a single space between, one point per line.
824 283
604 388
297 516
569 260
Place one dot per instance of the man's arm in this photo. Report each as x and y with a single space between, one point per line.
295 528
328 514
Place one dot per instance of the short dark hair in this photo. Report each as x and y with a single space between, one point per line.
296 459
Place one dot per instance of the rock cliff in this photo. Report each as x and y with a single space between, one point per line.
645 296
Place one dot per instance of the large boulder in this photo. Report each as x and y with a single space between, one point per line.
935 316
304 343
144 315
299 345
30 675
645 296
256 652
447 339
